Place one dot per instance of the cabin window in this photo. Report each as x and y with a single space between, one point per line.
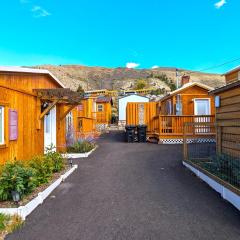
1 125
169 107
202 107
239 76
179 105
100 108
69 122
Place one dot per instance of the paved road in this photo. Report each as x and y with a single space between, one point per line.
132 191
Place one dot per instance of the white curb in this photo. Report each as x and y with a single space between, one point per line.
78 155
225 192
24 211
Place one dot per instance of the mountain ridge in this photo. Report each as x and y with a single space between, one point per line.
92 78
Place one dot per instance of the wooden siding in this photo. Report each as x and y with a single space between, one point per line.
231 77
187 96
16 93
228 119
150 111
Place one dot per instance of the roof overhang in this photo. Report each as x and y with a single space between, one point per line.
225 88
186 86
30 70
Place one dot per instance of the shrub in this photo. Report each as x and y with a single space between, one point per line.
43 169
15 176
56 160
81 147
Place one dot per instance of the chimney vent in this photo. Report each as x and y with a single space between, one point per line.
185 79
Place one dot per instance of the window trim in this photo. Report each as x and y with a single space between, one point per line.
3 125
209 102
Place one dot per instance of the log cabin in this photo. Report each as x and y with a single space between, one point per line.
33 109
227 102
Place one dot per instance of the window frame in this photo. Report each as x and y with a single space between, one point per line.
3 125
100 105
209 105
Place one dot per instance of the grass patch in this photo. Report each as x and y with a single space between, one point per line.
9 224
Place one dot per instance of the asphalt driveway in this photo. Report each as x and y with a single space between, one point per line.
132 191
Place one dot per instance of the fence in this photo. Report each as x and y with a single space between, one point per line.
217 153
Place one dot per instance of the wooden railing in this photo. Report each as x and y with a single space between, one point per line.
172 125
98 117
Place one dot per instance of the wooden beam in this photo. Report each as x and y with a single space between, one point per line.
48 109
68 111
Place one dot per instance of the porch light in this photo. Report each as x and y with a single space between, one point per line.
70 160
15 196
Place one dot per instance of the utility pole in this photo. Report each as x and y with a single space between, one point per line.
177 78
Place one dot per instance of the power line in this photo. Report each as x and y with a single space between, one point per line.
215 66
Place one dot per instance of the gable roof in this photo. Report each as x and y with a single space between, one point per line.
130 95
232 70
186 86
104 99
30 70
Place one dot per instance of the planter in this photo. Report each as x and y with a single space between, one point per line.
24 211
227 191
78 155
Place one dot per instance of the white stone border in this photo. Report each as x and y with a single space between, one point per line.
78 155
24 211
226 193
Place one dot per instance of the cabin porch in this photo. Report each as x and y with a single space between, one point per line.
170 128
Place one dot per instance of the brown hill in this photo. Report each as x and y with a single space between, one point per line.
91 78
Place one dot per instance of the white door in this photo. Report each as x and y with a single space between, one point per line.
50 130
202 107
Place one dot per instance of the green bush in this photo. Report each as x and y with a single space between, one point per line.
43 169
15 176
25 177
56 159
80 147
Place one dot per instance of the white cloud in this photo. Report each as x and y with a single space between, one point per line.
220 4
132 65
155 66
40 12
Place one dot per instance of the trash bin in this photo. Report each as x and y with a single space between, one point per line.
130 133
142 133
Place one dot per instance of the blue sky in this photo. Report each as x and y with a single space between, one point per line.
186 34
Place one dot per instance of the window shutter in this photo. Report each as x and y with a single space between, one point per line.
13 125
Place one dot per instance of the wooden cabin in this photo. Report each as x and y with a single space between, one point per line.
142 114
227 102
93 115
165 120
33 107
122 106
188 104
104 110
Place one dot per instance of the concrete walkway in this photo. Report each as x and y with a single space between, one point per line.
132 191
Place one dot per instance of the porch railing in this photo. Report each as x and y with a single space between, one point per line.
172 125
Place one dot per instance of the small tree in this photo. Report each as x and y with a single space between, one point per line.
80 89
141 84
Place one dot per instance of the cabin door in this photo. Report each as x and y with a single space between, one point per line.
202 108
50 122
